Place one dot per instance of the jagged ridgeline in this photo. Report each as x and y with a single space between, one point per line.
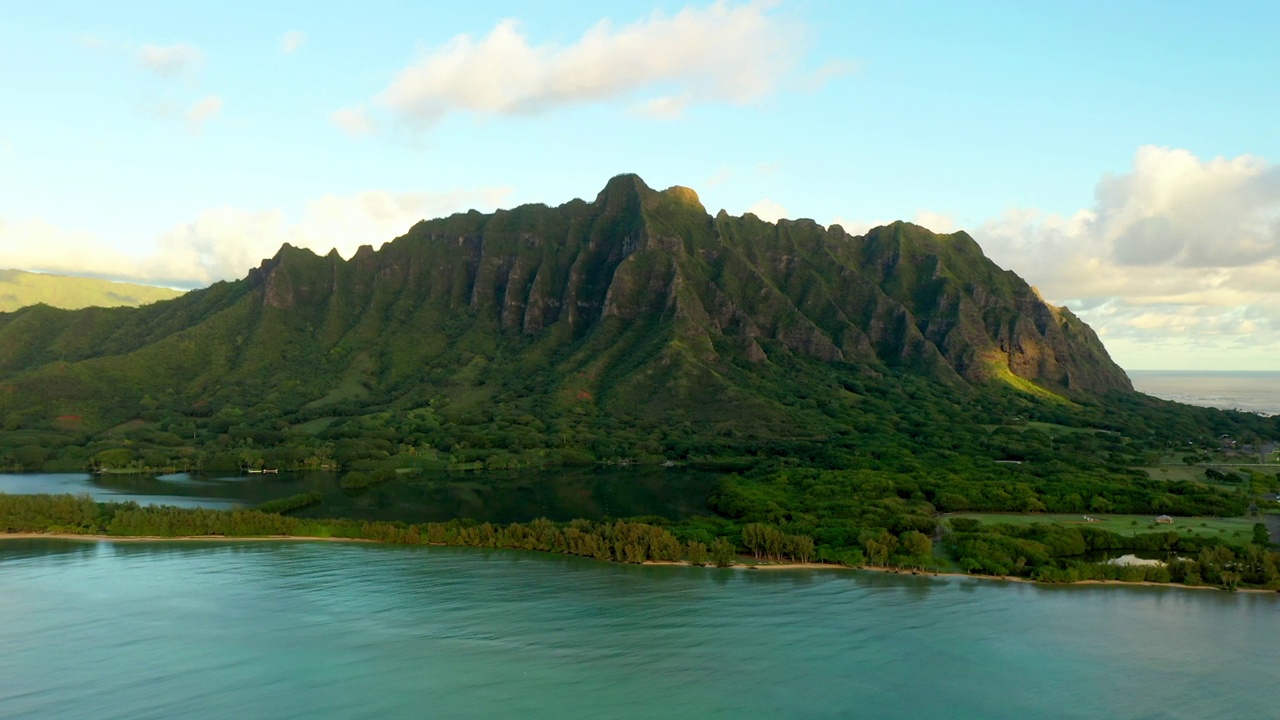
638 309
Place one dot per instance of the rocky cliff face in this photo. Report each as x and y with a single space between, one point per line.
724 286
636 303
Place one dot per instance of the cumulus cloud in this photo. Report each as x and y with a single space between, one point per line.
90 41
224 243
720 53
201 111
935 221
169 61
663 108
828 71
768 211
1178 250
33 244
354 121
292 41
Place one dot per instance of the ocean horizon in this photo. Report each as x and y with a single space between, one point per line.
1248 390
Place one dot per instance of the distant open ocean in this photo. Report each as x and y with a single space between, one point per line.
1255 391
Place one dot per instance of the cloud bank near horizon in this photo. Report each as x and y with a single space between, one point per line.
224 243
1178 251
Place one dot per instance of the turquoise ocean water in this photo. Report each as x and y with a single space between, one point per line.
321 630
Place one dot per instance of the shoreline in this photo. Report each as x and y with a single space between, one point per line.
946 574
736 566
177 538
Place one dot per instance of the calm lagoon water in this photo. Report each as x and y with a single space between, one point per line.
310 630
560 494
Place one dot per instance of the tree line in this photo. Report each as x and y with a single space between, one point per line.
1042 552
617 541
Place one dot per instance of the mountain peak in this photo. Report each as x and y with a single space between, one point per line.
622 189
684 196
639 304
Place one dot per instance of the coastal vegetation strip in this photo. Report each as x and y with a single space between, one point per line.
1042 552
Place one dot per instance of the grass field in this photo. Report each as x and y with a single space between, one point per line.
1231 529
1195 473
1049 428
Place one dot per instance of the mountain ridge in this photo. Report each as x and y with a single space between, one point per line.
638 305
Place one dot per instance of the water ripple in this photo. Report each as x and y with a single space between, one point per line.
350 631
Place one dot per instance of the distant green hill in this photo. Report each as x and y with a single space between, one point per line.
19 289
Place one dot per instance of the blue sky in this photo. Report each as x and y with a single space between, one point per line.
1120 156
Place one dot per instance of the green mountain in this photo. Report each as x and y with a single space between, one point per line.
632 326
19 289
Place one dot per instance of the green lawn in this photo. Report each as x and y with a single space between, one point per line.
1049 428
1231 529
1055 429
1195 473
311 427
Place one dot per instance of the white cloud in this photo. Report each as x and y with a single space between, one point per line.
1178 252
663 108
721 176
935 221
90 41
354 121
170 60
201 111
373 217
720 53
31 243
768 211
292 41
224 243
828 71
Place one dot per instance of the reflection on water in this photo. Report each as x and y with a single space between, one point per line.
312 630
562 494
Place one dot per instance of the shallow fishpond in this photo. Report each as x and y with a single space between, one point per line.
500 497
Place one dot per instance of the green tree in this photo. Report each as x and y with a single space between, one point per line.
916 545
696 553
1261 537
722 553
800 547
880 547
